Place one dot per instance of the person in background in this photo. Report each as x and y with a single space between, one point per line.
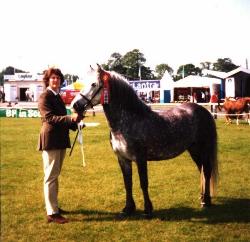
194 98
54 139
207 96
203 97
214 104
1 96
27 94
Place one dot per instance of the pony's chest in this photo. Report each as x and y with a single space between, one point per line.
120 146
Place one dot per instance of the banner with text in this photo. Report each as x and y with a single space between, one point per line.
22 112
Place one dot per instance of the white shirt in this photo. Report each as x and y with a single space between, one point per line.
55 93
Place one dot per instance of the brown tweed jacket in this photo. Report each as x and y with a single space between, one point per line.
56 123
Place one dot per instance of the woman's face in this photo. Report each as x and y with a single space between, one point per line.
54 82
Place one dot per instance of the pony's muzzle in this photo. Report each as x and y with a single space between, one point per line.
80 106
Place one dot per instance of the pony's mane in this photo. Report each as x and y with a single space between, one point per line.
124 94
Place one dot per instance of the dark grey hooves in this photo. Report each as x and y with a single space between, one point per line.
206 205
126 212
148 216
205 201
122 215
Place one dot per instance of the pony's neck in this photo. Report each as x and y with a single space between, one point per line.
124 105
113 116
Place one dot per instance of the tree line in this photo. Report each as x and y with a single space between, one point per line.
132 66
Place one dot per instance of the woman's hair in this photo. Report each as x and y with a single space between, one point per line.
52 71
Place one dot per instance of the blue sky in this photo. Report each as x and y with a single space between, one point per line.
72 34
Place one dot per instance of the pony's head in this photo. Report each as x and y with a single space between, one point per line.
97 92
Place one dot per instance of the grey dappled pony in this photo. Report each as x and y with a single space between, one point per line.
139 134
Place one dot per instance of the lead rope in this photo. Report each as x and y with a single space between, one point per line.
80 126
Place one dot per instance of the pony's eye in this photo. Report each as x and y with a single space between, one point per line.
93 85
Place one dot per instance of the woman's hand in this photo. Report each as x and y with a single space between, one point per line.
75 117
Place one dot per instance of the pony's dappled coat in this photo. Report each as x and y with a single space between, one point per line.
140 134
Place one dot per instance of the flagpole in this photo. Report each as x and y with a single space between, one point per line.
139 74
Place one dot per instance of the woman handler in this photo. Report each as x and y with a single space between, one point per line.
54 139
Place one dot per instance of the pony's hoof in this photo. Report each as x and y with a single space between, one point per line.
205 205
122 215
127 211
148 215
206 201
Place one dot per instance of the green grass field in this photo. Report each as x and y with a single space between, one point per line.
95 194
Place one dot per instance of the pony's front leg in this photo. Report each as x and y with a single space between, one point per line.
228 120
143 174
237 120
126 167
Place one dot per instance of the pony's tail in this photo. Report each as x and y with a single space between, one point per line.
213 163
215 172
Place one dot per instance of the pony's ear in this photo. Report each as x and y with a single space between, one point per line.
99 68
91 68
104 76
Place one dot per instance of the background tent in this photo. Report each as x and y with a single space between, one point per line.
197 81
196 88
189 83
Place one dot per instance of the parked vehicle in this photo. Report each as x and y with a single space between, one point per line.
68 95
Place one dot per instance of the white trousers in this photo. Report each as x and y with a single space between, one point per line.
52 165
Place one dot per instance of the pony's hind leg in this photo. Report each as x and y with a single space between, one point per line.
204 153
205 183
126 167
198 158
195 155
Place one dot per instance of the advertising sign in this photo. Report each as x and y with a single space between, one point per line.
140 85
19 113
23 77
22 112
